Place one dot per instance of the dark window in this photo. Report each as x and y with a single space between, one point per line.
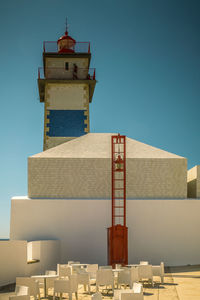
66 66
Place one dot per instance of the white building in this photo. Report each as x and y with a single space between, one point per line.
68 208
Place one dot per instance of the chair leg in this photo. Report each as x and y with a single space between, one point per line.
53 295
84 287
162 279
76 294
70 296
89 288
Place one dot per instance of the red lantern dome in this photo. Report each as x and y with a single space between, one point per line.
66 44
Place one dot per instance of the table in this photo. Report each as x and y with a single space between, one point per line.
45 278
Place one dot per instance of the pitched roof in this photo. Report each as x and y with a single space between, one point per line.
98 145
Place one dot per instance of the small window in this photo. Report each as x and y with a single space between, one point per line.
66 66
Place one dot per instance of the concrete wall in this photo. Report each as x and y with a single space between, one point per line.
13 260
14 254
91 178
193 181
158 230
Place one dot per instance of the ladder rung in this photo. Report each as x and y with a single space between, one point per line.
118 206
118 216
122 198
118 189
118 179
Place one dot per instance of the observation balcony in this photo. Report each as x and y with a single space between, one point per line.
70 74
79 47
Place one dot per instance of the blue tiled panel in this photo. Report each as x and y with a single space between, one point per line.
66 123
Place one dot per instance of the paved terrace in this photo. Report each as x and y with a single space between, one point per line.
181 283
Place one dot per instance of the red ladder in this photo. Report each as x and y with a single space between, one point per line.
118 233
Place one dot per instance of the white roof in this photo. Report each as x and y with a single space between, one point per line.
98 145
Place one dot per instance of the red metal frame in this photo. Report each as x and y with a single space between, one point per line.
118 233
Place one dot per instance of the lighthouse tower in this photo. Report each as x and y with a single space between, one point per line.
66 85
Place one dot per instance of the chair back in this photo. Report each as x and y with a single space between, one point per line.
21 290
144 263
118 266
105 267
62 286
50 272
63 270
104 277
97 296
92 268
145 271
124 277
31 283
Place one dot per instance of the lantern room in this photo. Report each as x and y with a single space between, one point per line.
66 44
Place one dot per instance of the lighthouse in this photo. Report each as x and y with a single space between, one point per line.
66 85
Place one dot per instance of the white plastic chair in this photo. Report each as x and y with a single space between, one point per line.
31 283
64 270
159 271
83 278
21 293
50 281
92 269
97 296
145 272
135 294
68 286
104 277
124 278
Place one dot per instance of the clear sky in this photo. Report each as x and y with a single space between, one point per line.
147 59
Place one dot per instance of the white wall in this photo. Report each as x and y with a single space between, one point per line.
158 230
13 258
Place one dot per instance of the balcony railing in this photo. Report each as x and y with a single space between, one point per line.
71 74
79 47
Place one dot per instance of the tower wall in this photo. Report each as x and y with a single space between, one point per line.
66 112
60 62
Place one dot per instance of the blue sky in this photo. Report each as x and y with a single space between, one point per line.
147 59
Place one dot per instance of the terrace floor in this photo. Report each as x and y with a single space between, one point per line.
180 283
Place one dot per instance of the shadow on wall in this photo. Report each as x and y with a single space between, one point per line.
22 258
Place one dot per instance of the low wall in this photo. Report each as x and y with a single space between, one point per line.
14 255
158 230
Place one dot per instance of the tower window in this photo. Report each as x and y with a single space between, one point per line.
66 66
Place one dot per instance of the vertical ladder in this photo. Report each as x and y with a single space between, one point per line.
118 180
118 233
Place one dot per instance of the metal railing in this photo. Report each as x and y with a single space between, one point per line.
71 74
79 47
